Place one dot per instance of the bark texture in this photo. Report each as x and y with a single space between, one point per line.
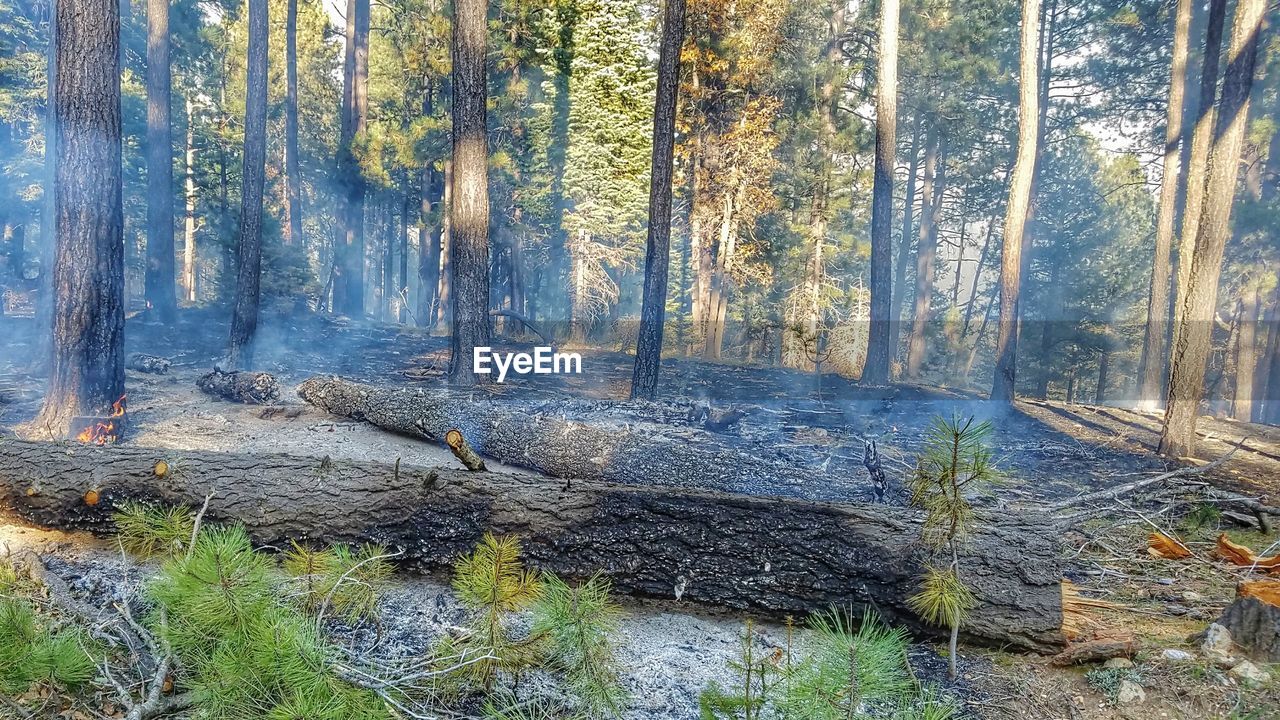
1198 158
1002 389
244 319
348 263
253 388
644 378
880 344
1151 374
1191 352
1255 626
765 555
469 212
159 277
87 372
542 438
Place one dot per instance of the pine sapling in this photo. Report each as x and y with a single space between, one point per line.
955 461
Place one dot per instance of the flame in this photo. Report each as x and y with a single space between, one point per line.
104 432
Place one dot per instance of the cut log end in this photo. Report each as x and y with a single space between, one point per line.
463 451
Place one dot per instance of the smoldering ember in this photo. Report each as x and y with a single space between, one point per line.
642 359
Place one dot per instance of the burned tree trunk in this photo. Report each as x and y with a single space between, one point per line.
87 374
244 319
767 555
648 361
543 438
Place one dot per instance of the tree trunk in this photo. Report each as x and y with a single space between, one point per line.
189 220
469 212
159 277
1152 365
880 342
444 304
765 555
1266 404
244 320
1104 369
1197 167
87 373
430 225
926 252
350 260
1246 360
904 243
1002 389
292 173
644 377
1191 353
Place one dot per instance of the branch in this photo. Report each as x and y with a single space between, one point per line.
1126 489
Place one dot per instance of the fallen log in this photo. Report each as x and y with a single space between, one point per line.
551 441
252 388
142 362
771 556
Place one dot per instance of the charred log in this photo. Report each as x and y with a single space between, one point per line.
251 388
145 363
548 439
767 555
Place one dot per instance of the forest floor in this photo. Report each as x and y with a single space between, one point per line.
1047 451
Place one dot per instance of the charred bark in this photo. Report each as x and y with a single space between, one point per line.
87 374
765 555
644 379
545 439
253 388
244 319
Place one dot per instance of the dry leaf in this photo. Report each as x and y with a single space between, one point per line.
1243 556
1164 546
1268 591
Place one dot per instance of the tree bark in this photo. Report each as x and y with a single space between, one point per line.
189 219
1201 141
926 251
292 172
1002 389
904 243
1152 364
644 377
763 555
244 319
159 277
1191 353
880 341
87 373
1246 358
430 225
469 212
551 441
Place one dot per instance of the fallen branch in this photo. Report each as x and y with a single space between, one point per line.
525 321
462 450
1129 488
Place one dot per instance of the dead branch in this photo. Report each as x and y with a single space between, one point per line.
462 450
1129 488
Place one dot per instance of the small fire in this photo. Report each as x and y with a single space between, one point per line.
104 432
